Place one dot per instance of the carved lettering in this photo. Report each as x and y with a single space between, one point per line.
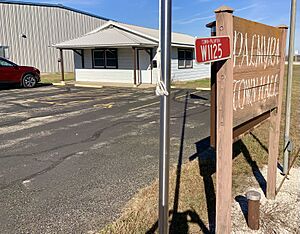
246 92
254 51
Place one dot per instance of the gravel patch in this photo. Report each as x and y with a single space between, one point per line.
281 215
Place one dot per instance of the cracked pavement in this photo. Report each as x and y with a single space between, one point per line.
72 157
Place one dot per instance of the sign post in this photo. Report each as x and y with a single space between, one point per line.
289 87
248 89
224 125
275 118
165 60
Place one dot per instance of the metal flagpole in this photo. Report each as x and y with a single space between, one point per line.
165 50
287 141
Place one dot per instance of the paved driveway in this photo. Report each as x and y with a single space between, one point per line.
72 157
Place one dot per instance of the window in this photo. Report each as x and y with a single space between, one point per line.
105 58
5 63
185 58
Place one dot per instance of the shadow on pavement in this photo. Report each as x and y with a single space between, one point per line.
207 167
16 86
194 96
180 220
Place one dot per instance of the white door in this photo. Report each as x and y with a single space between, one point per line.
144 67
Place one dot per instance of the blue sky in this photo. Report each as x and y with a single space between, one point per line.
189 16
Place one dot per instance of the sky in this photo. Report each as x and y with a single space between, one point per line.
188 16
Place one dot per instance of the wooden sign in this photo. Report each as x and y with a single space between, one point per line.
246 90
212 49
256 69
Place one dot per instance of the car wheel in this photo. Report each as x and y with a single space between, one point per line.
29 81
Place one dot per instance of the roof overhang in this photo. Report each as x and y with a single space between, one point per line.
108 37
116 35
85 47
183 45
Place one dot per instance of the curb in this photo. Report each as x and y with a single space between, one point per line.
198 88
204 89
88 86
59 84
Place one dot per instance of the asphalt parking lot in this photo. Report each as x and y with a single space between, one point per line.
72 157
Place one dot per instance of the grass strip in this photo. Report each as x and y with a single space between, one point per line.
48 78
201 83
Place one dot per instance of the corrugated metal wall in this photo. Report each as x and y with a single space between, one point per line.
43 26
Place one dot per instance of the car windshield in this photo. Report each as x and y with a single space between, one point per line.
6 63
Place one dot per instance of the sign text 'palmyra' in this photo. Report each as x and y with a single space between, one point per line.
256 69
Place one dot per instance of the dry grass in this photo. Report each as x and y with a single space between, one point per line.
273 218
47 78
201 83
276 216
192 185
140 214
295 113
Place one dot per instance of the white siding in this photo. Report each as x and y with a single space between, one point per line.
43 27
104 75
124 73
154 70
125 59
77 60
88 59
199 71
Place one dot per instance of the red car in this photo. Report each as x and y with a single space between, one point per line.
11 73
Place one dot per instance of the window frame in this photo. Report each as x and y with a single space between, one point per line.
105 58
185 66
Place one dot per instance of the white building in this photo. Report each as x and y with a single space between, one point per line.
118 52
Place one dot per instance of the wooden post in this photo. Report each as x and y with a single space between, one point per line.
138 66
134 65
62 65
275 123
253 198
213 91
224 126
82 58
151 65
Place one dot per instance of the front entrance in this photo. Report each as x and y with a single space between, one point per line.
144 67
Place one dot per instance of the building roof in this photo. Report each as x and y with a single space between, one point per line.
115 34
109 37
53 5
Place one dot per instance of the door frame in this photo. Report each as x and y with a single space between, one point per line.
149 51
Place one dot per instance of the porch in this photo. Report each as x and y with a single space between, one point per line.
132 65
